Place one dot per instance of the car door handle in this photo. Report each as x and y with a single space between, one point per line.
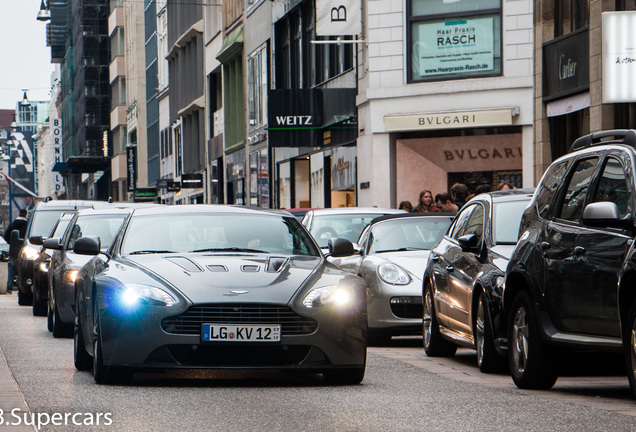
545 246
578 251
450 268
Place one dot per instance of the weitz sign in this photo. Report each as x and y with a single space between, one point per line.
619 57
338 18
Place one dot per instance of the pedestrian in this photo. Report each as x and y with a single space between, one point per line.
425 204
459 193
504 185
444 203
406 205
19 224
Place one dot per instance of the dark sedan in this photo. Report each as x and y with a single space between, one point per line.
217 287
464 278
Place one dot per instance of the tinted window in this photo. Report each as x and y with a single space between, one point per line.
459 226
506 217
548 187
475 224
578 186
104 227
612 187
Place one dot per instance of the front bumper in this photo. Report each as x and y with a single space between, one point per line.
139 340
64 301
395 308
25 275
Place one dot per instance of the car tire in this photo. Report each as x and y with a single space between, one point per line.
49 316
39 307
629 342
25 299
488 359
531 363
434 344
60 329
83 361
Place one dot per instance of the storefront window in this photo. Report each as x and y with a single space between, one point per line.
284 185
236 177
259 179
454 40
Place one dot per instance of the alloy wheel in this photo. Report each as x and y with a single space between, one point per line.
480 332
427 318
520 340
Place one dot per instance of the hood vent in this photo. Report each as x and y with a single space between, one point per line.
250 268
276 264
186 264
217 268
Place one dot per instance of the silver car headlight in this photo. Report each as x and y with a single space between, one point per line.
393 274
336 294
132 295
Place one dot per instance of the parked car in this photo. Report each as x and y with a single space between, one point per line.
393 253
198 286
41 266
342 222
64 263
464 278
299 213
570 281
4 250
42 218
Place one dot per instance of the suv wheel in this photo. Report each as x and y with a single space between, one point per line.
531 364
434 344
629 343
488 359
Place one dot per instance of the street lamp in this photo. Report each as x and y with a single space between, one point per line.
45 13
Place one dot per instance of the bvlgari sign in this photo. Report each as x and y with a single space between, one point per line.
452 120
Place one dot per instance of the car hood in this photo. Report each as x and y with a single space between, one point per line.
413 262
229 278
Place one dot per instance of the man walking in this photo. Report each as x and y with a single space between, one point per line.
20 224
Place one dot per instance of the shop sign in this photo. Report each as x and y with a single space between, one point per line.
173 186
338 18
56 137
131 163
453 120
163 183
456 47
145 194
191 181
619 57
343 168
566 65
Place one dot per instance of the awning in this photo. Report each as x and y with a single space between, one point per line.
569 105
83 164
232 45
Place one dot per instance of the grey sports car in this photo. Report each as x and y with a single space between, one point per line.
216 287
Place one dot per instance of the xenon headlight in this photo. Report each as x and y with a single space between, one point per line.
44 267
29 252
132 295
336 294
393 274
70 275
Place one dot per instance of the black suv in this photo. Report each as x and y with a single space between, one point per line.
571 281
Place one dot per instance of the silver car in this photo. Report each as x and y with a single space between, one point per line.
394 250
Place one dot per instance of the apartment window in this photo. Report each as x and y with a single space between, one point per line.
454 40
623 5
257 87
570 15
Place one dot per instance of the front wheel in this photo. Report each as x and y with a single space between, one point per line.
434 344
39 307
82 359
629 342
531 363
60 328
488 359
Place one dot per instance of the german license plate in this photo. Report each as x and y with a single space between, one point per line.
240 333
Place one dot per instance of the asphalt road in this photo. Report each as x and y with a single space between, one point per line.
402 391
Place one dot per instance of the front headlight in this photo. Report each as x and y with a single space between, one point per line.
70 276
29 252
132 295
336 294
44 267
394 275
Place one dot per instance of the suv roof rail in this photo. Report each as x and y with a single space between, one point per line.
621 136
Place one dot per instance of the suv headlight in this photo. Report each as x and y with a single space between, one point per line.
29 252
132 295
336 294
393 274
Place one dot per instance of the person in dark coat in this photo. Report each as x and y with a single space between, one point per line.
20 224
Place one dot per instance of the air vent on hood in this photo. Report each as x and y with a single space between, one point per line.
217 268
250 268
275 264
186 264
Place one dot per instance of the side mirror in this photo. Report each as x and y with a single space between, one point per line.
89 245
52 243
339 247
470 243
15 238
36 240
606 214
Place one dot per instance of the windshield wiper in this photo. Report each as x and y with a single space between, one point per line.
150 251
229 249
404 249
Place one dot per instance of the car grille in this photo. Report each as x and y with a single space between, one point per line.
189 322
238 356
407 310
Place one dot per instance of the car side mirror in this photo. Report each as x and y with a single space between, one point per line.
52 243
339 247
89 245
37 240
15 238
606 214
470 243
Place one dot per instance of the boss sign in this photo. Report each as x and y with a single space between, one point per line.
338 18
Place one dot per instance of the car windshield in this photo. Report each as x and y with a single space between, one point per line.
217 233
43 222
506 219
61 226
412 233
348 226
103 226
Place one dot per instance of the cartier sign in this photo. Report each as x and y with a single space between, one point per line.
566 65
454 120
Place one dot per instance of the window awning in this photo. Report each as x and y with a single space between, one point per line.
232 45
569 105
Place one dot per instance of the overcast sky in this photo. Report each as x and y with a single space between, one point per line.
25 60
